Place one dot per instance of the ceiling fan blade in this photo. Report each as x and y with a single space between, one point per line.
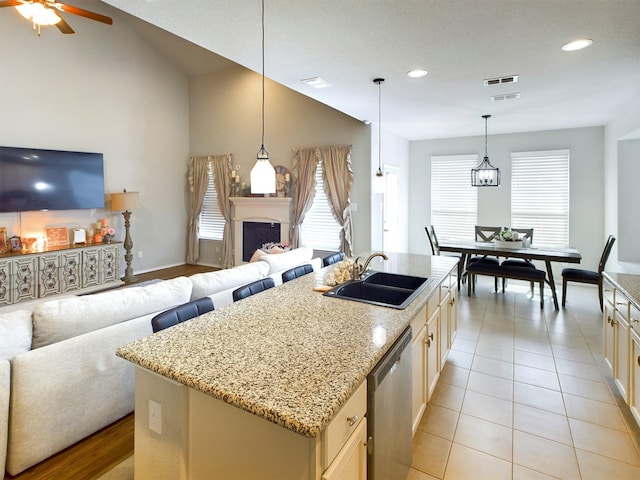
84 13
10 3
64 26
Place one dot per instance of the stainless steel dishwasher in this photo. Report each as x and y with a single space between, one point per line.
389 413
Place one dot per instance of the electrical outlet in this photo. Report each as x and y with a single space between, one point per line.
155 417
139 253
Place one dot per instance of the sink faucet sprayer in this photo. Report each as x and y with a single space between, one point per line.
358 269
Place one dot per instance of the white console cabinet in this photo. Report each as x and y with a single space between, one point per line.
79 269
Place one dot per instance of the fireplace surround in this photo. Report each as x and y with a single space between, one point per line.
268 210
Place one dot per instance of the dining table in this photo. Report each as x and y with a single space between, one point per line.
546 254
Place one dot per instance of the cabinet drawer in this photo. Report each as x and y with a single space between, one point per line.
634 317
419 321
344 423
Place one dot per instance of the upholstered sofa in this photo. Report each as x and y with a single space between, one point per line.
60 380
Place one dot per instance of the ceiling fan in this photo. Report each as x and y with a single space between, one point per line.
47 12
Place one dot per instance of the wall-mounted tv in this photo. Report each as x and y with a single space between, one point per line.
34 179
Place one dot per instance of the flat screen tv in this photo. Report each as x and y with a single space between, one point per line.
34 179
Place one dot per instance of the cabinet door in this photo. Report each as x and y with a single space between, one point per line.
608 332
621 348
634 365
109 257
70 276
351 461
419 373
432 339
452 310
443 342
90 267
48 274
5 283
25 281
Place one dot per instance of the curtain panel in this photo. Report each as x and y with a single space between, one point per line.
221 167
198 179
305 163
338 179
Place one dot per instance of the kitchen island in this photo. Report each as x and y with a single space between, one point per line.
253 390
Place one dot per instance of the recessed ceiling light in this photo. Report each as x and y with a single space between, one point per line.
316 82
417 73
577 44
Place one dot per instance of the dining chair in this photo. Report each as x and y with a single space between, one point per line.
431 242
333 258
485 234
296 272
588 276
514 262
181 313
253 288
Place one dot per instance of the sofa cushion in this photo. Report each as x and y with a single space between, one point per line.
60 319
5 380
207 284
15 333
285 261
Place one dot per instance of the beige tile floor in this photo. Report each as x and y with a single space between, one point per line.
525 394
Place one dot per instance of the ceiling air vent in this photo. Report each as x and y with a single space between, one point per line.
500 80
505 96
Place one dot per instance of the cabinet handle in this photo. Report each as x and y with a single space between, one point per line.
352 420
428 342
621 303
431 335
639 360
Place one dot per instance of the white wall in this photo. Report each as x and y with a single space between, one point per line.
103 89
394 152
226 118
626 126
586 208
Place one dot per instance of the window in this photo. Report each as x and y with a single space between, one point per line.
540 195
320 230
454 202
211 222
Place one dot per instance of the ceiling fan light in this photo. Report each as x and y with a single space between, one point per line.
38 13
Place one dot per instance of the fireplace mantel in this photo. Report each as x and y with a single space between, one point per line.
259 209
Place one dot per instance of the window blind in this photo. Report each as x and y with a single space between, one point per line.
454 202
211 222
320 230
540 195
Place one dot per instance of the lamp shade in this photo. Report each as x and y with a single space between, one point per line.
263 177
125 201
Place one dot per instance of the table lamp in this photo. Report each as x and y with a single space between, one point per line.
125 202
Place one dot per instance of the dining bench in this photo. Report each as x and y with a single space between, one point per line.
529 274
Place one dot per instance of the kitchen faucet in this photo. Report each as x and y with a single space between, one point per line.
358 269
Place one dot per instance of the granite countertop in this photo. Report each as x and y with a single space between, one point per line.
289 354
628 283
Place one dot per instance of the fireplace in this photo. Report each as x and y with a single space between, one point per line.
265 211
256 234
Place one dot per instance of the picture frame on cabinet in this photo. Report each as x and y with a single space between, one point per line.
3 240
16 243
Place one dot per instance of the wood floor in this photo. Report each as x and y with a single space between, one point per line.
92 457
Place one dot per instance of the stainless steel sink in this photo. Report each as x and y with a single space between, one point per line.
392 290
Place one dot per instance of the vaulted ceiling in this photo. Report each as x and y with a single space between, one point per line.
460 43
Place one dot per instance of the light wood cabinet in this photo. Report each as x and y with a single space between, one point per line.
351 461
634 363
622 344
28 276
433 360
419 368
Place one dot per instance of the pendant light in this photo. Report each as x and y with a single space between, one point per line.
378 180
485 174
263 175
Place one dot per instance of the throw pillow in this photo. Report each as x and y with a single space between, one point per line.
257 255
15 333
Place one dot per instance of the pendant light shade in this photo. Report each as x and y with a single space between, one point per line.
378 180
263 175
485 174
